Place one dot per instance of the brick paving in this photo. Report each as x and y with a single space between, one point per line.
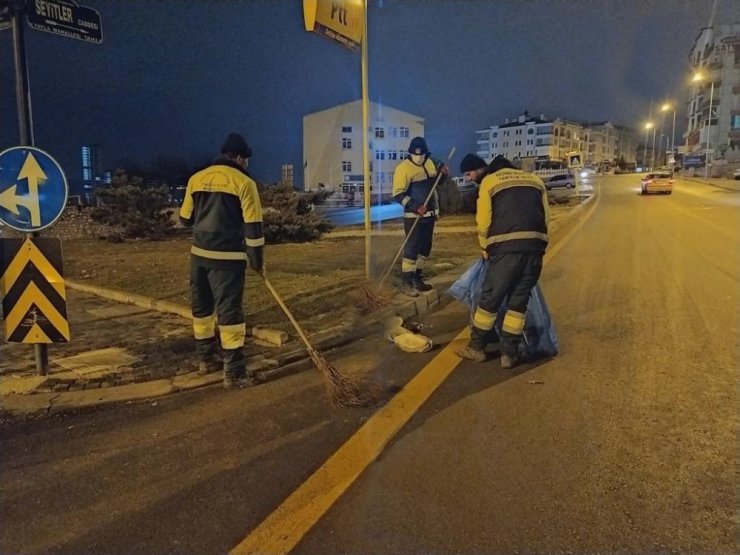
112 344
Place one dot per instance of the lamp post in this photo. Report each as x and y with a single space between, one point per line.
671 106
648 127
698 77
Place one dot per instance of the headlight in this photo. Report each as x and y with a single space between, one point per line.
584 174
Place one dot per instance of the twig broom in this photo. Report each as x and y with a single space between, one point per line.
373 298
342 391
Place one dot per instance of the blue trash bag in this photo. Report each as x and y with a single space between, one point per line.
468 286
540 339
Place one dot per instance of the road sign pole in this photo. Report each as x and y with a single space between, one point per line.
25 125
22 89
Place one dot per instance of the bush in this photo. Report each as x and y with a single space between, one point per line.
131 209
288 216
453 200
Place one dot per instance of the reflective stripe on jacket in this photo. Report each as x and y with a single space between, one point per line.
411 186
223 207
512 212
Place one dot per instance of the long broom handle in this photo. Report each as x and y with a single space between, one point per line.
287 312
413 226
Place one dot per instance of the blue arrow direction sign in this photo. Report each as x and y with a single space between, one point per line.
33 189
67 19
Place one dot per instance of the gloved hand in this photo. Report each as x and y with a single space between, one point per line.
443 169
421 210
256 261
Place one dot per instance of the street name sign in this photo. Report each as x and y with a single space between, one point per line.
340 20
32 287
33 189
67 19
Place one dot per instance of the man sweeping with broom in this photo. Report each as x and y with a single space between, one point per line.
413 180
223 207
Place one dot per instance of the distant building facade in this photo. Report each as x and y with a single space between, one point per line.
332 147
530 137
543 140
607 143
716 56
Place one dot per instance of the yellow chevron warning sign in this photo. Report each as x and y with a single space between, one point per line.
32 287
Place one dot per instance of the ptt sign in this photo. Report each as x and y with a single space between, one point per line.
339 20
33 189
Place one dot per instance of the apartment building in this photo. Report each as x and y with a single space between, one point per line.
332 147
713 107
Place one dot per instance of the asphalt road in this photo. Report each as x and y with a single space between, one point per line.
625 443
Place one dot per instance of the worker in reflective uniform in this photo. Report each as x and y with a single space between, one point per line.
512 218
223 207
413 180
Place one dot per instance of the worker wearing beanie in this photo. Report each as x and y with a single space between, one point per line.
512 218
413 180
223 207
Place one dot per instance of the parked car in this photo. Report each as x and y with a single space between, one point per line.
657 182
736 174
567 180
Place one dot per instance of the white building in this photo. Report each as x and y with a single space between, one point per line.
607 142
716 57
332 147
529 137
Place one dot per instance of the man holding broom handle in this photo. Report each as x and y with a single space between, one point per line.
223 207
413 180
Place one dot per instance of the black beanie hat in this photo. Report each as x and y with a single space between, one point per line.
235 144
471 162
418 146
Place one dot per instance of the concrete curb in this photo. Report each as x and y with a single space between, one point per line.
719 186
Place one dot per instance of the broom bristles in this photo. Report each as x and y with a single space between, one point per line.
343 391
372 299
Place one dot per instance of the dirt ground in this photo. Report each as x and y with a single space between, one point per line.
316 280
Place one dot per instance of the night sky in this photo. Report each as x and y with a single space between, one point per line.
174 77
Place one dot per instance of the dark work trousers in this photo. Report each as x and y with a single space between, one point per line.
218 293
511 275
418 246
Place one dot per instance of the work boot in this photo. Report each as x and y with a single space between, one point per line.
508 361
470 353
235 381
209 366
418 283
407 285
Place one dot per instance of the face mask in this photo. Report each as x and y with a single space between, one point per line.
418 159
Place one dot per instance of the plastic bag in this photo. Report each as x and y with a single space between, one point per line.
540 339
468 287
413 342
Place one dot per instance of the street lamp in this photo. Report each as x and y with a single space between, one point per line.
699 77
648 126
670 106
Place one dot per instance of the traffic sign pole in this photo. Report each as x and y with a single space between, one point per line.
25 124
22 89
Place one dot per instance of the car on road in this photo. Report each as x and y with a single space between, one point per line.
657 182
567 180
